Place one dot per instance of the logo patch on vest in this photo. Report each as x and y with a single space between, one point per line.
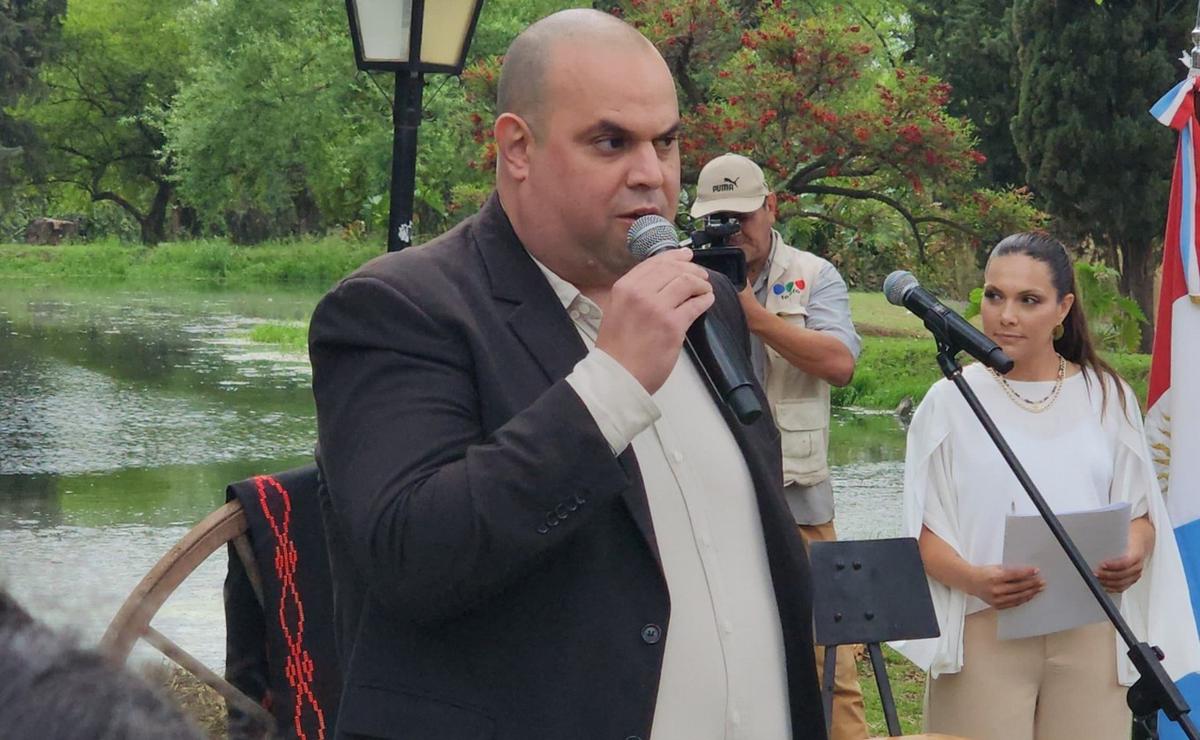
786 290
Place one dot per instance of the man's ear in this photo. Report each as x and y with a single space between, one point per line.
514 139
772 206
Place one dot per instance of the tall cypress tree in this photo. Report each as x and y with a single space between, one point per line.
969 43
1095 159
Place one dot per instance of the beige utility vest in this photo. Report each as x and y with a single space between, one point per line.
799 401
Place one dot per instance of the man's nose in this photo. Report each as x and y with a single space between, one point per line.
645 167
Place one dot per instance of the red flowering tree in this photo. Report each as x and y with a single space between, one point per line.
848 136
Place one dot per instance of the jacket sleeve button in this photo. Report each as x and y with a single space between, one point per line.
651 634
543 529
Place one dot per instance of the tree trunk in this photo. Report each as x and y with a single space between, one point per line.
308 213
155 220
1137 282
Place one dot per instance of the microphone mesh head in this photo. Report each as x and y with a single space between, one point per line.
896 285
650 235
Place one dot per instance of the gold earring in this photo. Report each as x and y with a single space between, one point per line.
1058 332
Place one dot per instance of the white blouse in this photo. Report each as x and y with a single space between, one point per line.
1080 456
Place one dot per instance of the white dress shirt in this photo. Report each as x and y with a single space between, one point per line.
723 673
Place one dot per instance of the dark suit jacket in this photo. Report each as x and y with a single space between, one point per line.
496 566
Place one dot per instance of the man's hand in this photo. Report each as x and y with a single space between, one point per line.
1004 588
814 352
749 301
649 310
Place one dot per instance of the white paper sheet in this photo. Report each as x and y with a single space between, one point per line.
1066 602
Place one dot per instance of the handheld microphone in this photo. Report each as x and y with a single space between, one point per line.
708 339
901 289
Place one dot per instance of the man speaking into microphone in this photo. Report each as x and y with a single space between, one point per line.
541 522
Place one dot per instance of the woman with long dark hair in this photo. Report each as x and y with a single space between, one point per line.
1075 426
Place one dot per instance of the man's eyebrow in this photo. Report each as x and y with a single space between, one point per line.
672 132
611 128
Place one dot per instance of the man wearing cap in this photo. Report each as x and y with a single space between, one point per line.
802 341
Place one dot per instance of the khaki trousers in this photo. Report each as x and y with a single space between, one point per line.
849 714
1060 686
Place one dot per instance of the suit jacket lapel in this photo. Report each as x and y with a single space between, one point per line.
540 323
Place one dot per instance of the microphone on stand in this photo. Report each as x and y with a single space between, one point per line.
902 289
708 339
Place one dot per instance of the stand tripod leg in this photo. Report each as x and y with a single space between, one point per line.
827 677
885 688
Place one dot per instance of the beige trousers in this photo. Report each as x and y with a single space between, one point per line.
1060 686
849 714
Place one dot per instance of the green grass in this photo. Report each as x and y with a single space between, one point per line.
889 370
908 691
874 316
303 262
288 337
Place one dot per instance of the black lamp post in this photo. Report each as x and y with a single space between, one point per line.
404 37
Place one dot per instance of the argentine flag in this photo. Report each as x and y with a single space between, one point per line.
1173 413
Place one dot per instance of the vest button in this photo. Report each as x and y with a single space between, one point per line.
651 634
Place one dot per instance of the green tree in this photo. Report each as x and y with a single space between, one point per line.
117 69
970 44
848 141
291 137
1096 161
272 133
29 31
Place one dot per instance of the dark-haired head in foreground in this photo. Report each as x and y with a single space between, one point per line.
51 688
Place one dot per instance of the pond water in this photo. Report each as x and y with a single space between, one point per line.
125 411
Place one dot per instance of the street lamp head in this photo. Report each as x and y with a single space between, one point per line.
402 35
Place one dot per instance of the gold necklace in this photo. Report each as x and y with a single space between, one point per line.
1028 404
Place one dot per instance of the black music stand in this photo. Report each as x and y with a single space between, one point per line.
869 591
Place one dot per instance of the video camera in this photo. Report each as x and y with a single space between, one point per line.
710 248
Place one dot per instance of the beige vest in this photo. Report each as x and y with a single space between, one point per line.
799 401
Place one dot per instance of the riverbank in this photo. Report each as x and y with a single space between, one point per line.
898 359
317 263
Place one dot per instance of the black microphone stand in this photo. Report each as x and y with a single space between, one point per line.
1154 690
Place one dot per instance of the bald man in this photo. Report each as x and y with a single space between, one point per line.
541 524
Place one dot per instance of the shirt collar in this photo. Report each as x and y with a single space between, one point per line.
566 292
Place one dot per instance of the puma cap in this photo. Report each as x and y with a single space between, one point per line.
730 183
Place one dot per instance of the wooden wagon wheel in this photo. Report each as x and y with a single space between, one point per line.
132 621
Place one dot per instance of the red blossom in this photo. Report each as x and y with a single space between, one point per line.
910 133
